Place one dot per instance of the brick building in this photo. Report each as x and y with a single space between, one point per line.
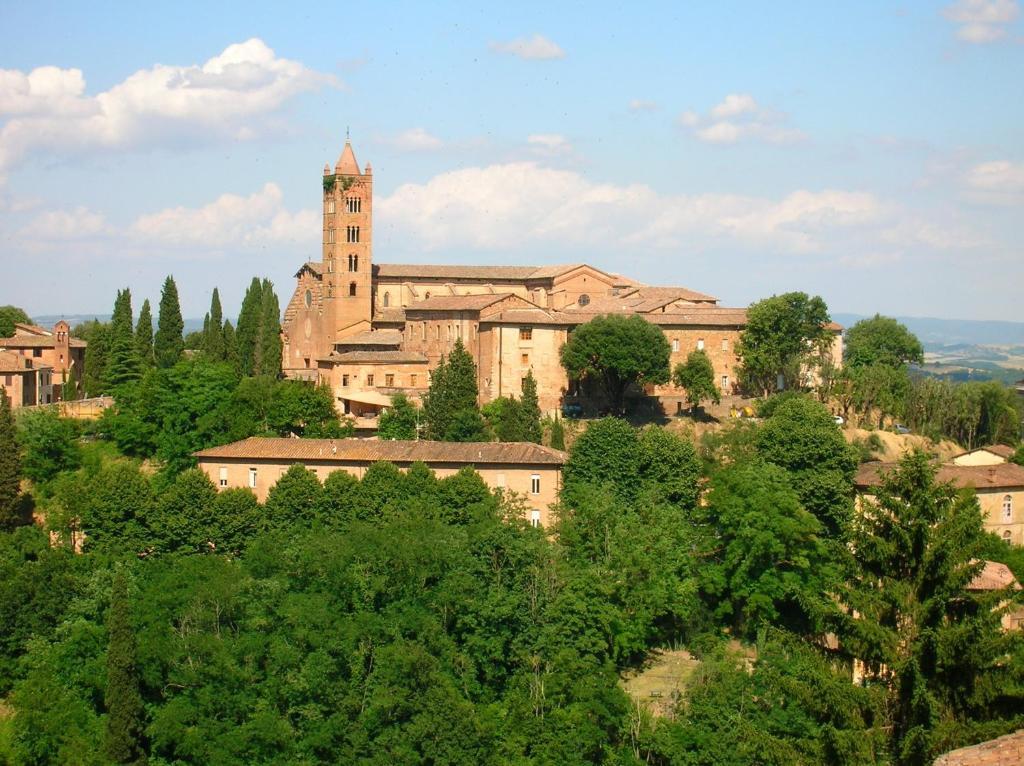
56 351
371 330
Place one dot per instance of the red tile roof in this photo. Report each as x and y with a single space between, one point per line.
371 451
372 338
374 357
1002 476
994 576
1007 750
458 302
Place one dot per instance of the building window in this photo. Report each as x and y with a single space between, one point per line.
369 380
252 478
330 265
353 262
725 382
1007 507
387 299
412 380
535 484
437 332
583 300
351 289
330 207
223 476
330 236
1006 535
675 344
37 352
351 233
525 333
725 344
700 344
389 380
423 331
344 381
308 298
354 204
448 333
535 518
525 359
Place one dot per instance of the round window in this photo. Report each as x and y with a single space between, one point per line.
309 298
583 300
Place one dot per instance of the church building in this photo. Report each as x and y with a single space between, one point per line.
371 329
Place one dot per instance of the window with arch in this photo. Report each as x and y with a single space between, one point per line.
353 262
330 236
1006 535
308 298
351 289
1007 507
387 299
330 206
354 204
330 265
351 233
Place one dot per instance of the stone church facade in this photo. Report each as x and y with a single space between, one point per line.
371 330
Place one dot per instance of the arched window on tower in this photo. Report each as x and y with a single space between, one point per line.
351 289
387 299
353 262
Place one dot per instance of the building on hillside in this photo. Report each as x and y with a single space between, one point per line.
996 576
999 487
27 381
994 454
56 349
371 330
531 471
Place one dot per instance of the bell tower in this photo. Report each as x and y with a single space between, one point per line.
348 245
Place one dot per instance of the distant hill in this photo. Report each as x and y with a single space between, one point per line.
941 334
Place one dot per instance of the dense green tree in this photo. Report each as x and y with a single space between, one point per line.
607 453
669 468
234 520
97 335
117 505
183 520
557 434
617 352
49 445
784 336
230 344
881 340
10 466
144 335
529 411
933 645
802 437
697 376
248 328
123 364
381 491
767 564
399 421
452 395
880 389
125 724
8 316
340 498
296 499
213 341
267 358
168 342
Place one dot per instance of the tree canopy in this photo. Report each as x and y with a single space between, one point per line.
168 342
881 340
697 376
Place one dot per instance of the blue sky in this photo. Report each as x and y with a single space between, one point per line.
871 152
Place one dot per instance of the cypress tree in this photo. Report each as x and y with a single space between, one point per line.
10 466
268 350
557 434
247 330
529 411
123 743
230 344
168 342
144 334
452 394
213 335
97 335
123 360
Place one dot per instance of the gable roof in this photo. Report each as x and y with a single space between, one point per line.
1000 450
372 451
313 266
372 338
1007 750
1001 476
413 271
994 576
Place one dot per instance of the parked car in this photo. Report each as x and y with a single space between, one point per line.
572 410
901 429
839 420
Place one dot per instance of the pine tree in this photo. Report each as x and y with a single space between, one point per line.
529 411
230 344
168 342
213 334
97 335
451 400
268 349
123 743
144 335
248 326
123 365
557 434
10 466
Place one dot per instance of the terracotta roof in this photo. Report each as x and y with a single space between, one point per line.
434 271
1007 750
347 164
994 576
1001 450
550 272
37 341
21 328
536 316
316 268
458 302
372 338
389 315
1002 476
367 451
375 357
12 362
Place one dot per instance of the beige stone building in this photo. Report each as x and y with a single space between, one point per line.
27 382
375 329
55 350
532 472
999 487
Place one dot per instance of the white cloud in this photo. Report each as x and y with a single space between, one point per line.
536 47
48 110
982 21
549 144
739 117
513 205
999 182
642 105
64 225
415 140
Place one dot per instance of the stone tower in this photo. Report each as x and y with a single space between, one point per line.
348 245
